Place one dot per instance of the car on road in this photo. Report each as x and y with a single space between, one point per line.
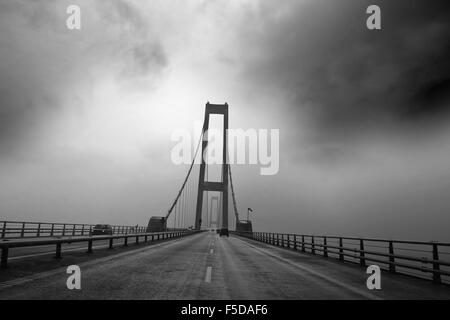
102 229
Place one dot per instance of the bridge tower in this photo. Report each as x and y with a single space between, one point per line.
221 109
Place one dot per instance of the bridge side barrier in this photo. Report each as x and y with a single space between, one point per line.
152 237
413 258
21 229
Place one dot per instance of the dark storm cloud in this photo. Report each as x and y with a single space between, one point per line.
346 79
142 52
139 48
43 64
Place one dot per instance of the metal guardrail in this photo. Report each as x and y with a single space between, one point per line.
20 229
414 258
5 246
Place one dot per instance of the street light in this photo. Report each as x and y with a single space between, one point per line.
248 212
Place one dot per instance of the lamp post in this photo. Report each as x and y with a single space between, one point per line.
248 213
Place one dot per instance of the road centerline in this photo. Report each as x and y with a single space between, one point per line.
208 274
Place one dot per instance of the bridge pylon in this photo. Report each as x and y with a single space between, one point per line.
221 109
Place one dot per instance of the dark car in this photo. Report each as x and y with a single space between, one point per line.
102 229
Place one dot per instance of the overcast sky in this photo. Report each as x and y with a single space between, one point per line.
86 116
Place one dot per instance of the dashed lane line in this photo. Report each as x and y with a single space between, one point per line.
208 275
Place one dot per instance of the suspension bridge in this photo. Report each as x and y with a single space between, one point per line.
192 252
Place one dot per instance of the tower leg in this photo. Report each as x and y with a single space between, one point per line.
201 178
224 230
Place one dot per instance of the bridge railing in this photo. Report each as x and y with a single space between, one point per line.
5 246
21 229
429 260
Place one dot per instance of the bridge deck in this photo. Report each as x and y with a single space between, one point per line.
204 266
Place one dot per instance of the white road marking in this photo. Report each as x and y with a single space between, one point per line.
208 274
317 274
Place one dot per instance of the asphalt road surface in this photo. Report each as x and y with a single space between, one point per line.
206 266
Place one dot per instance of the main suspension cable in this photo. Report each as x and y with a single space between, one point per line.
236 213
187 177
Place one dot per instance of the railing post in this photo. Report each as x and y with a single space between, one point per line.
145 239
23 230
73 231
4 258
282 240
391 257
137 239
38 233
325 247
289 241
51 231
295 242
58 251
89 246
111 243
313 247
4 230
341 249
125 241
303 243
362 259
82 230
64 230
436 266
